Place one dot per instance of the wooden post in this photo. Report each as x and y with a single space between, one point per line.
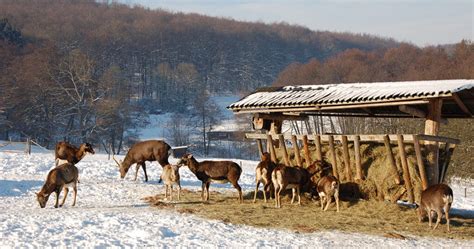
333 157
296 149
432 124
260 147
419 161
306 150
272 148
406 172
447 157
358 162
317 143
347 162
391 159
28 146
283 149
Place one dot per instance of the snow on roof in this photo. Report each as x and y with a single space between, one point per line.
350 93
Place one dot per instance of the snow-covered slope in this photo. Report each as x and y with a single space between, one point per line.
111 212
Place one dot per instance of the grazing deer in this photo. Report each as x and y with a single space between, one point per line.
436 198
170 177
213 171
59 178
263 173
139 153
70 153
327 187
284 177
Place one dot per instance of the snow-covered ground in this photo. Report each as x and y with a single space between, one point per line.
111 212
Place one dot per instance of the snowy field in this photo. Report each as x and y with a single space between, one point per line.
111 212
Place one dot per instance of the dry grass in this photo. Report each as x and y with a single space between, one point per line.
370 217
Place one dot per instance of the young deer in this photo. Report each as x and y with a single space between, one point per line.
327 187
59 178
284 177
263 173
436 198
70 153
170 177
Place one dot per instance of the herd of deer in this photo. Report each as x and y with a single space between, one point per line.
274 177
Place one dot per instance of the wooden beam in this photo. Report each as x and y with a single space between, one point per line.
347 162
462 105
280 116
272 148
357 159
260 147
391 159
406 172
448 152
281 139
333 157
296 150
419 161
307 156
432 125
412 111
317 143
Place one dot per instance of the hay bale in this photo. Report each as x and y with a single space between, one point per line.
379 180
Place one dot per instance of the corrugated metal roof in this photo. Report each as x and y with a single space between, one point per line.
349 94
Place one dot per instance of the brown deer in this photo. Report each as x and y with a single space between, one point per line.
213 171
284 177
327 187
139 153
263 173
59 178
436 198
170 177
70 153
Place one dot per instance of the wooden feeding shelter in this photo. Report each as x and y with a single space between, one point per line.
433 101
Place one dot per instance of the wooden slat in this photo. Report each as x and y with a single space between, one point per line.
296 150
462 105
306 151
281 139
391 159
333 157
272 148
406 172
448 150
260 147
419 161
432 124
317 143
357 158
347 162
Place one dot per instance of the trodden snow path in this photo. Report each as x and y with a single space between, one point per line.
111 212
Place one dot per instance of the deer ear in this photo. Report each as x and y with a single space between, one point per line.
189 156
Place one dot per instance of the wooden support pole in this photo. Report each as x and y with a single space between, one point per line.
347 162
357 158
317 143
419 161
448 152
432 124
333 157
391 159
296 150
260 147
306 151
283 150
272 148
406 172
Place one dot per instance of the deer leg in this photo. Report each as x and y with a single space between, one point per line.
74 189
446 213
239 189
439 214
171 192
321 199
429 217
137 167
57 198
65 191
179 191
299 196
203 186
207 191
329 200
277 188
265 188
293 192
144 171
256 190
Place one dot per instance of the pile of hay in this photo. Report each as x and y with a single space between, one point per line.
379 182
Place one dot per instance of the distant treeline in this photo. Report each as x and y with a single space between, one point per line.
81 70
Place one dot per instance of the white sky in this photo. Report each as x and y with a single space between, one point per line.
422 22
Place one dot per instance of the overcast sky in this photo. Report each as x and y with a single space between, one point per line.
422 22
